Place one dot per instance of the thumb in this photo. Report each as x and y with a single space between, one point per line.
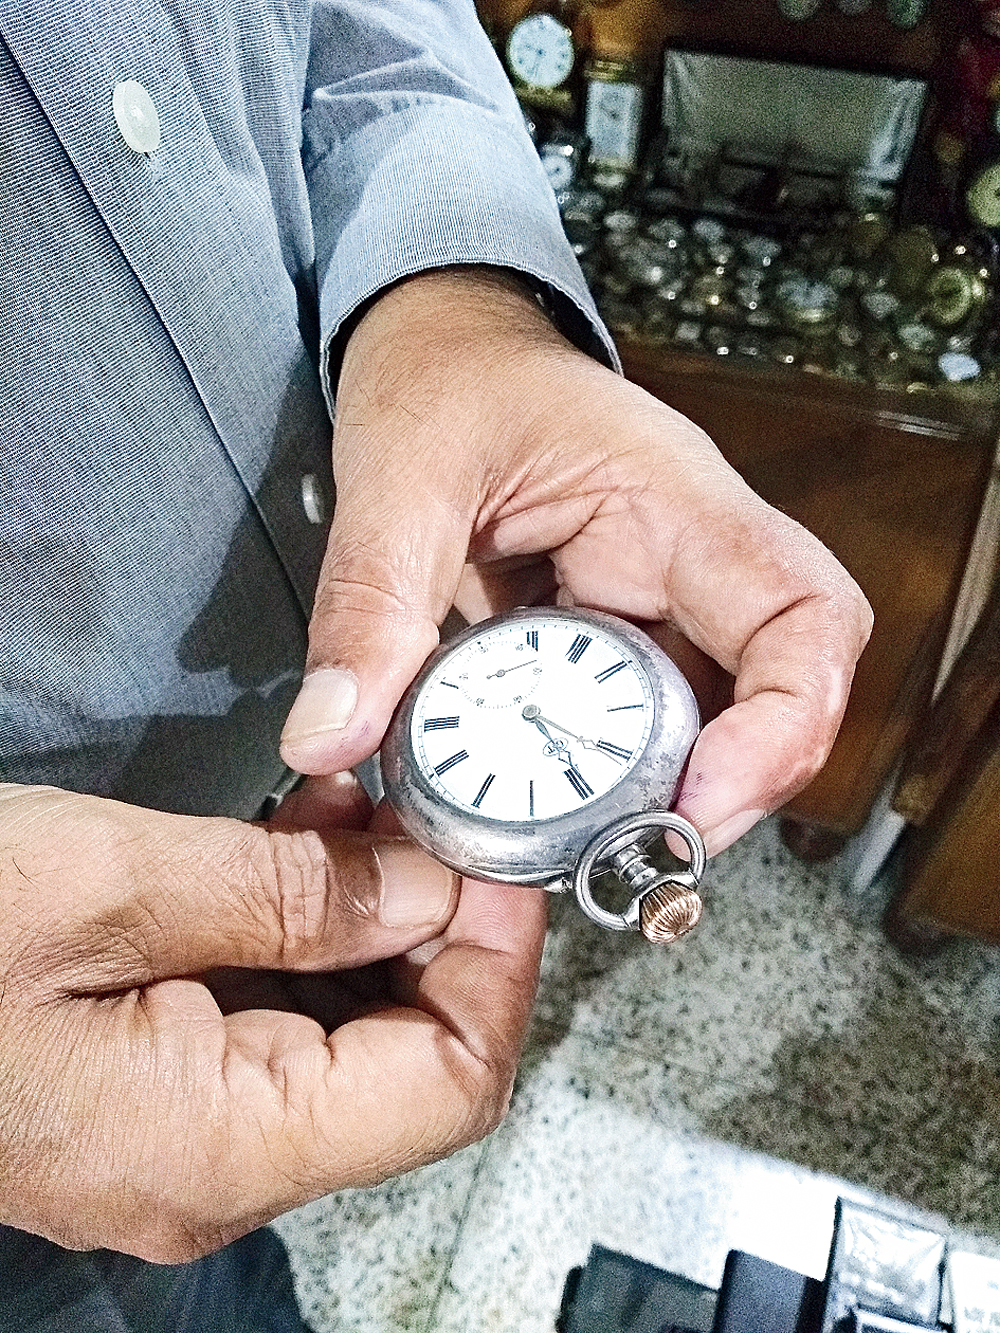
406 504
385 587
415 426
135 895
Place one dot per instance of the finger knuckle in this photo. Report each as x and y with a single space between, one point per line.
312 889
183 1216
173 1243
485 1087
289 871
363 584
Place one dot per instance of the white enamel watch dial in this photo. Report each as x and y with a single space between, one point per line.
525 722
983 196
530 736
540 51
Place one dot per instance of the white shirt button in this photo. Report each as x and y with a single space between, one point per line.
312 499
136 116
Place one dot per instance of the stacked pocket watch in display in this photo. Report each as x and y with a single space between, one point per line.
866 300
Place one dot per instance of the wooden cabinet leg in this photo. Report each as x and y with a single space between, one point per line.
811 842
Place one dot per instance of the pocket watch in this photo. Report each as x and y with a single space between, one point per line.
953 293
807 303
982 195
544 747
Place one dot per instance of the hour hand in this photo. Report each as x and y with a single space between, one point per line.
532 713
554 746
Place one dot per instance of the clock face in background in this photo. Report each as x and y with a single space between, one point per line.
540 51
558 166
531 720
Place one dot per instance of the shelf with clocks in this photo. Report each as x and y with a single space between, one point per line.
581 104
717 204
863 300
834 333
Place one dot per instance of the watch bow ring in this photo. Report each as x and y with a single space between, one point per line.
545 747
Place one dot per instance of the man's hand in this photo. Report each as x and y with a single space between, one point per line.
140 1112
483 461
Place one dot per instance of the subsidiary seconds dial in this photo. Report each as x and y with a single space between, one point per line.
532 720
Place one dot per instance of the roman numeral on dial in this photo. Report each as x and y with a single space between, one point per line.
610 671
578 647
579 783
450 762
440 723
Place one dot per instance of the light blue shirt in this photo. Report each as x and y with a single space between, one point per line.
166 322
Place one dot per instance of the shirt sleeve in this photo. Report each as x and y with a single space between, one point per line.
417 157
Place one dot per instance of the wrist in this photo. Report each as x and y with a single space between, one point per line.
442 360
434 311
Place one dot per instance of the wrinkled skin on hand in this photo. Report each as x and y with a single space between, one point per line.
483 461
204 1023
195 1034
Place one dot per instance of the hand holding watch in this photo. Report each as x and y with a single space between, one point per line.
465 772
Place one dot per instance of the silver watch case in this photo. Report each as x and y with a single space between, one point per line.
542 852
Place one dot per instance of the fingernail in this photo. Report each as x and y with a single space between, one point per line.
730 829
416 890
326 702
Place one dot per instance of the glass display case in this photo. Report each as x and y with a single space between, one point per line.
765 225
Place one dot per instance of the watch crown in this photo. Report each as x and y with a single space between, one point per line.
668 912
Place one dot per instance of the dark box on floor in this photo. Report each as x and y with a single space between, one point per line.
614 1293
757 1295
885 1275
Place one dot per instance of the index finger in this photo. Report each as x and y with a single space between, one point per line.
404 1086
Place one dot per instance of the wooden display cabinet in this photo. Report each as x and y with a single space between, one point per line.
891 481
758 28
950 874
949 790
